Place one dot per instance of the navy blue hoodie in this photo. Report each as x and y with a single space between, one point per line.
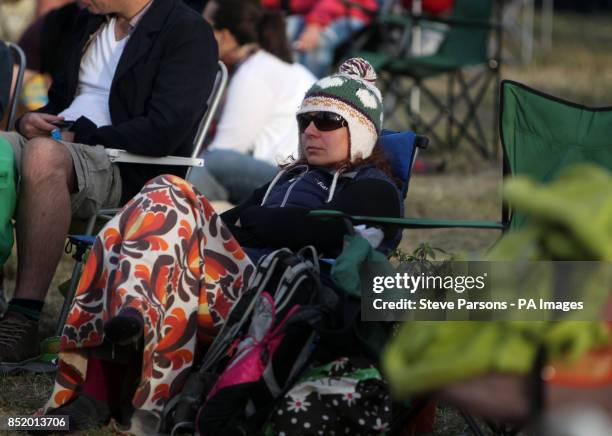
276 214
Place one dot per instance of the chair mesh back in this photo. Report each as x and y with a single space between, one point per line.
468 44
400 150
542 135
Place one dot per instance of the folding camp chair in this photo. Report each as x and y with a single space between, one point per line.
541 135
17 58
82 243
464 48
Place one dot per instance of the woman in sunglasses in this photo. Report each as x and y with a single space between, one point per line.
166 270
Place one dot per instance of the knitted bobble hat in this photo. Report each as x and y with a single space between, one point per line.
352 94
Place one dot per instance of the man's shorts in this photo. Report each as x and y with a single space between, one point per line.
99 181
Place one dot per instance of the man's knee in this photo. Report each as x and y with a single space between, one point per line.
46 160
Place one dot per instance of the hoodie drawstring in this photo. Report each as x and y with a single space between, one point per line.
276 178
332 188
271 185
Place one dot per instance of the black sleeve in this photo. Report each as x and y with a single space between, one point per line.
55 95
58 91
56 43
183 83
232 215
291 227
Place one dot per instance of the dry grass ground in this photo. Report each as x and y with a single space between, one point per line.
578 68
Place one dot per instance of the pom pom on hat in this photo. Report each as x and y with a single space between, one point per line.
360 68
352 94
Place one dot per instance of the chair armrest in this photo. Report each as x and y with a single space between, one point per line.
458 21
410 223
408 19
117 155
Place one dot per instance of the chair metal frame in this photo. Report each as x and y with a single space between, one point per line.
118 155
398 95
82 242
19 59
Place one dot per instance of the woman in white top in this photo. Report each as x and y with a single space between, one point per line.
257 128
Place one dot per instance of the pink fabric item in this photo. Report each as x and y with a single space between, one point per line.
96 384
323 12
247 365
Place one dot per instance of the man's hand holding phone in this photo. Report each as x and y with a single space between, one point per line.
35 124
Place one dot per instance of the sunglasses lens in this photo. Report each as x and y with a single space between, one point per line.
303 121
323 121
329 121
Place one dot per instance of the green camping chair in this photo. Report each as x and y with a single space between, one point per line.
541 135
8 199
464 47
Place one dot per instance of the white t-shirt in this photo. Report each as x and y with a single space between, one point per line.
96 74
259 113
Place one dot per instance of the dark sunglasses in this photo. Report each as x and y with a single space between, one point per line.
323 121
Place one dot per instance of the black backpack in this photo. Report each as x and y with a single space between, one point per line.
262 349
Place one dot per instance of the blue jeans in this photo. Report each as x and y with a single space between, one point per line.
320 59
230 176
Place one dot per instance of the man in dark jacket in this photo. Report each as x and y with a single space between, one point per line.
137 78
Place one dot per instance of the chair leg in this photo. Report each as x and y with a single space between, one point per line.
496 108
74 279
397 99
450 106
472 424
442 111
472 104
471 118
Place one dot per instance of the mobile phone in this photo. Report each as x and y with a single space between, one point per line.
63 124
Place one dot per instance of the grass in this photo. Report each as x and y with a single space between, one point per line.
578 68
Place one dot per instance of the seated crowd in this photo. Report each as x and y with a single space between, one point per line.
163 274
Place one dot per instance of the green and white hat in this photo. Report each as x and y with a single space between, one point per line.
352 94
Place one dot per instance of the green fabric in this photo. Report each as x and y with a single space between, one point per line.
346 271
413 223
543 135
324 371
428 355
570 218
376 59
468 43
8 199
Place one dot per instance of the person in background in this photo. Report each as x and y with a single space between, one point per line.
45 43
318 27
48 37
257 127
161 59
